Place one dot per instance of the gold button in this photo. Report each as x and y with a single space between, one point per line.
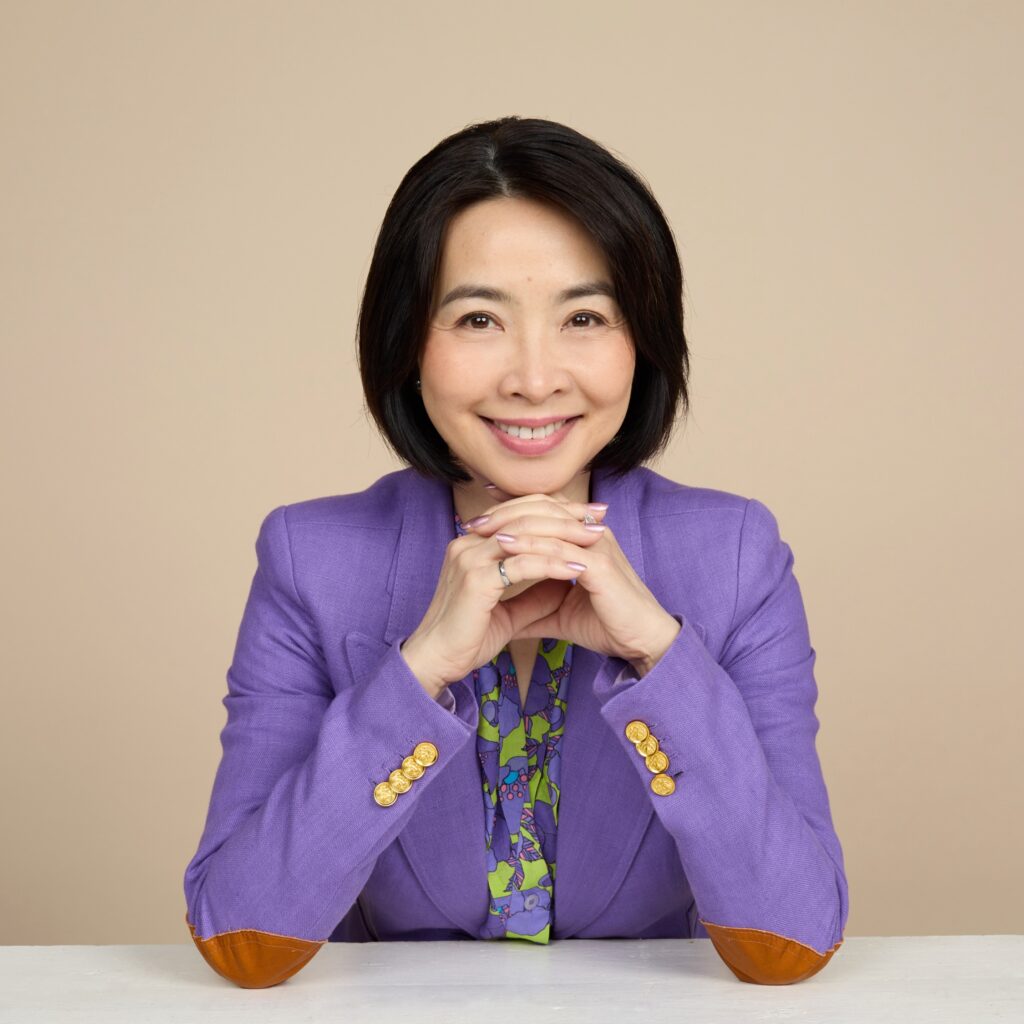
647 746
398 782
384 794
425 754
637 731
410 769
658 761
663 784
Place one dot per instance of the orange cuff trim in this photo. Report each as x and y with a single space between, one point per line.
766 958
255 959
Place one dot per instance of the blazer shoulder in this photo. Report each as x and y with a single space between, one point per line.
356 508
660 496
330 548
737 520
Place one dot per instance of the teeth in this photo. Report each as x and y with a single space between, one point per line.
528 434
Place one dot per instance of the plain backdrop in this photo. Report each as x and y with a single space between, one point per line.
189 195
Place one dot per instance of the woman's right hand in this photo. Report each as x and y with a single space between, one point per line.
467 622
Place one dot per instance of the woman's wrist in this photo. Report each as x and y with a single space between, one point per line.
427 679
658 647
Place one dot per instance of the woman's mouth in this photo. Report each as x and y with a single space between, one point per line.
549 438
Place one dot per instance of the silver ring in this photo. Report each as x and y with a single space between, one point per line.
588 518
504 575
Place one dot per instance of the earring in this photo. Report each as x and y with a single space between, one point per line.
419 384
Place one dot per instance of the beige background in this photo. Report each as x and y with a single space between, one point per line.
190 193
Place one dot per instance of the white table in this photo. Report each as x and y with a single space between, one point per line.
956 978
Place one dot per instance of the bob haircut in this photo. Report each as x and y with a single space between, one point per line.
549 162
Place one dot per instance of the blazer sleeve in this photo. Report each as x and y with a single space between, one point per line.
293 828
750 811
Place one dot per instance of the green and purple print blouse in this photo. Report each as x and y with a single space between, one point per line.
520 759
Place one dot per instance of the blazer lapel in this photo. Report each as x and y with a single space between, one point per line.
603 809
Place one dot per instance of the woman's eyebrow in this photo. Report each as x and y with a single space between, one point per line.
482 291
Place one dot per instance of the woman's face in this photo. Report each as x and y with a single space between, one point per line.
505 344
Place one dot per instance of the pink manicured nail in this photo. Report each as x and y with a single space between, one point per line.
595 527
577 566
478 521
506 537
597 504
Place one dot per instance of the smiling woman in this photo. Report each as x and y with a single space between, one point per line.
552 347
528 273
526 687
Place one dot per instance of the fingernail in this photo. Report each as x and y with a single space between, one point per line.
595 527
478 521
577 566
599 505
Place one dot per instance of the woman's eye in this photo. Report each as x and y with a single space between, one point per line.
587 316
474 316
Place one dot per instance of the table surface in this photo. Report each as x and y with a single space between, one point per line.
902 979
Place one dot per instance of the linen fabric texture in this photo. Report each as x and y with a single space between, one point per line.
321 707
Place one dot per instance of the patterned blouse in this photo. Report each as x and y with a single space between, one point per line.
520 760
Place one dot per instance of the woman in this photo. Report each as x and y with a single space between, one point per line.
619 665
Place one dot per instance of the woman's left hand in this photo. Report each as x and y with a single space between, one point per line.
610 609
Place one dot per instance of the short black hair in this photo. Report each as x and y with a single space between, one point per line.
546 161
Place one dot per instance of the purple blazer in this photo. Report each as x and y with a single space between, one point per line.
321 707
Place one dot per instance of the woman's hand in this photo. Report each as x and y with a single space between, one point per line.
468 622
610 610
